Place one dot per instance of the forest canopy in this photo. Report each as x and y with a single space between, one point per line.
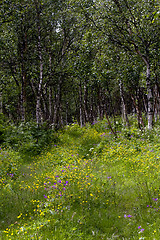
65 61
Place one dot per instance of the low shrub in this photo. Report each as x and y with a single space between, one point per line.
28 138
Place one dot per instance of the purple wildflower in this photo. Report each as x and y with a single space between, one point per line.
129 216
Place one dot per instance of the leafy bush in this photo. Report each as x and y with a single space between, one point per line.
1 133
27 138
2 128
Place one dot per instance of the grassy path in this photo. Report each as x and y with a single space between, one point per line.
88 186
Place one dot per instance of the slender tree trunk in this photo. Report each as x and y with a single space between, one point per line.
67 112
85 101
138 110
50 104
80 105
55 115
155 107
22 44
148 84
38 98
45 112
145 104
124 111
158 97
23 97
38 110
109 123
60 116
156 113
22 106
57 104
100 104
150 98
111 106
50 91
91 107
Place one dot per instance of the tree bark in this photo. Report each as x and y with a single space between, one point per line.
50 104
155 107
138 110
22 45
85 101
23 89
123 105
23 110
57 104
149 97
38 98
148 84
80 105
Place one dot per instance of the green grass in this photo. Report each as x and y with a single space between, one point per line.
90 185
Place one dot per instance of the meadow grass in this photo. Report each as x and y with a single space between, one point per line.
90 185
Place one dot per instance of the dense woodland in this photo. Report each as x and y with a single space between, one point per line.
65 61
79 119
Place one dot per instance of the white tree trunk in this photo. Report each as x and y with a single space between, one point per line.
38 118
38 108
50 103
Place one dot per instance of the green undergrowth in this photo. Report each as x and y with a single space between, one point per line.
27 138
89 185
